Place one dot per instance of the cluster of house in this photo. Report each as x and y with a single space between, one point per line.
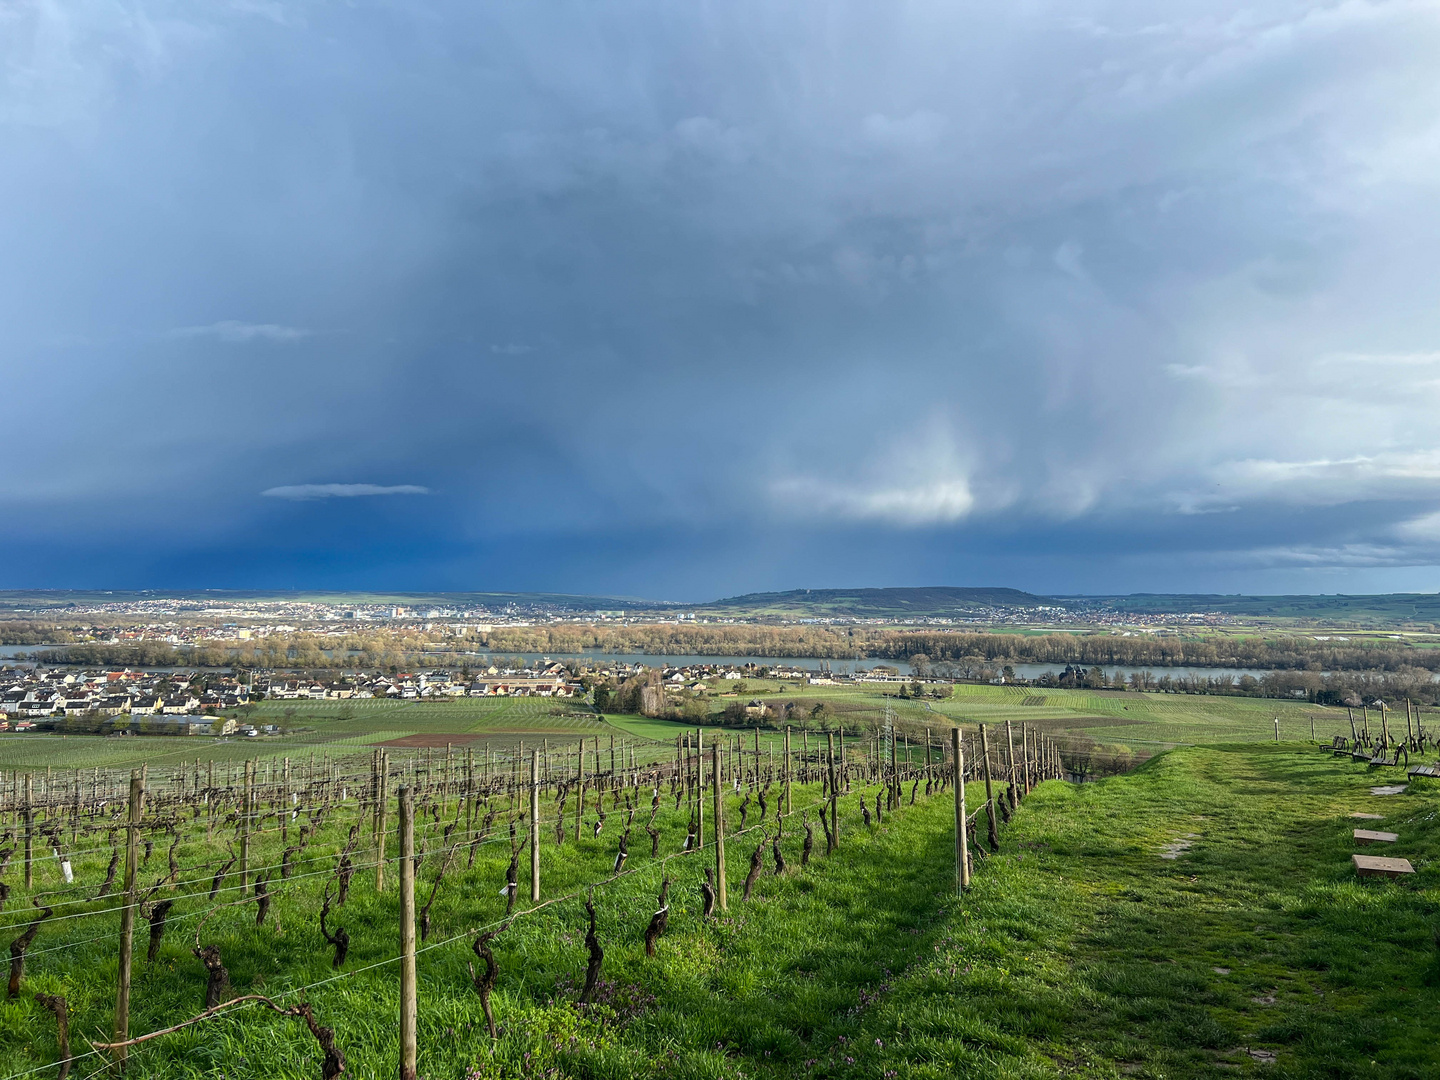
169 701
543 680
153 701
698 676
176 702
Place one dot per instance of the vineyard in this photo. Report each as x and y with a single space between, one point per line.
320 726
563 908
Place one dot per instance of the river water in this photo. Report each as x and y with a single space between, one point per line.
846 667
840 667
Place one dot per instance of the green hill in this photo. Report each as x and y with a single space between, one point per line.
935 601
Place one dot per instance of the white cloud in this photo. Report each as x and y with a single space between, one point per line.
935 502
1338 556
341 491
1321 482
233 331
1422 530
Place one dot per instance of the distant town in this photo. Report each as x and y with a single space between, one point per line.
192 703
179 619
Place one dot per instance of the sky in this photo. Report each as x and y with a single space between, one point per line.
688 300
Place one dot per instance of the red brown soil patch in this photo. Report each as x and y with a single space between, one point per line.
426 739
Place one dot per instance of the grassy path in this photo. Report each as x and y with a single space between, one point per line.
1082 952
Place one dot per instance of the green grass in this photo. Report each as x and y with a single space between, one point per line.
1153 720
316 726
461 717
1145 722
38 751
1082 952
1079 951
696 962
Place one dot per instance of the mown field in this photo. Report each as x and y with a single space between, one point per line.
320 726
1079 951
1149 721
1143 723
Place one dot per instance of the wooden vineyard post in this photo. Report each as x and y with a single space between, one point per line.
515 773
721 895
75 815
289 800
445 782
1312 721
789 807
382 805
834 793
699 790
409 1011
29 832
1010 793
989 791
127 917
245 827
534 826
895 763
962 842
580 786
1277 729
469 789
374 791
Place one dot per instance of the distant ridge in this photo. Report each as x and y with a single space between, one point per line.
1338 608
1419 611
933 601
59 599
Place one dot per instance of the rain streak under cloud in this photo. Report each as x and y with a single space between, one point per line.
689 300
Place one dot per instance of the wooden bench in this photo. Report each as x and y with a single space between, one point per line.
1376 866
1425 770
1371 836
1393 760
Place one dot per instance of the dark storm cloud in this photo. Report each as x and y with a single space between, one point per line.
704 298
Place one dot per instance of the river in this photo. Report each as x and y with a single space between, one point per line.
840 667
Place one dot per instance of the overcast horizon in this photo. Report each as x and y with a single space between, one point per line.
689 302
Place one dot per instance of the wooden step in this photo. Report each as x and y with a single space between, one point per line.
1371 836
1376 866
